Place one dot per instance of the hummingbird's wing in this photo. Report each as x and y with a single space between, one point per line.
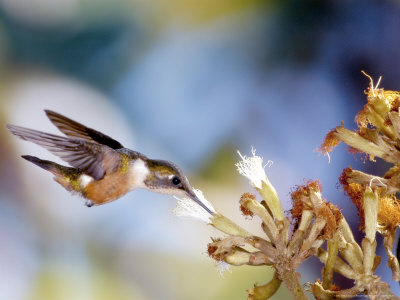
93 158
74 129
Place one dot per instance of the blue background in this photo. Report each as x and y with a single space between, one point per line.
188 81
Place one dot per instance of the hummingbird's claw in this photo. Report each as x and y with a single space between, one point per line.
89 203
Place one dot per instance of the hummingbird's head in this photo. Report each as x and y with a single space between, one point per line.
166 178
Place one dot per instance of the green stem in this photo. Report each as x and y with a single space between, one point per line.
270 196
225 225
291 279
265 291
327 273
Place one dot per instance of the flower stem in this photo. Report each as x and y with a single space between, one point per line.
291 280
225 225
333 247
268 192
266 291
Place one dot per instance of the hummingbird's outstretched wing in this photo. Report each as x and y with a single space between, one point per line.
74 129
92 158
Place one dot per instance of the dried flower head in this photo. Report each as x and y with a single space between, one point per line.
308 197
330 142
245 211
300 199
389 212
302 192
333 216
355 192
378 127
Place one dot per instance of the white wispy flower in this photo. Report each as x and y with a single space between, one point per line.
252 168
186 207
223 267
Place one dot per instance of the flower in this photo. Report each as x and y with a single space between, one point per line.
223 267
186 207
389 212
252 168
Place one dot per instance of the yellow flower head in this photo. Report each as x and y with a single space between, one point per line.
389 212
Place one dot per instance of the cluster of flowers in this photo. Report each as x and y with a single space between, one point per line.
316 221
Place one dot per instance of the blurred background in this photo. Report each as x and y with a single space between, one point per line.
189 81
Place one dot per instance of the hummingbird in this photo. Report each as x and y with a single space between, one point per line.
101 169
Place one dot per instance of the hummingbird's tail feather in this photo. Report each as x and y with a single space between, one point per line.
44 164
52 167
66 176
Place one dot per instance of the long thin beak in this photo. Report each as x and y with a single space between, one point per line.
196 199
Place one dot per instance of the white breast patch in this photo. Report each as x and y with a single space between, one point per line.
85 180
138 174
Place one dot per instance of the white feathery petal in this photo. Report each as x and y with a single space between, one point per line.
269 164
252 168
207 203
223 267
186 207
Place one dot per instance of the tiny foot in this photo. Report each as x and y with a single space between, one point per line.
89 203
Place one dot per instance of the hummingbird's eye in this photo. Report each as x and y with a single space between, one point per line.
176 181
